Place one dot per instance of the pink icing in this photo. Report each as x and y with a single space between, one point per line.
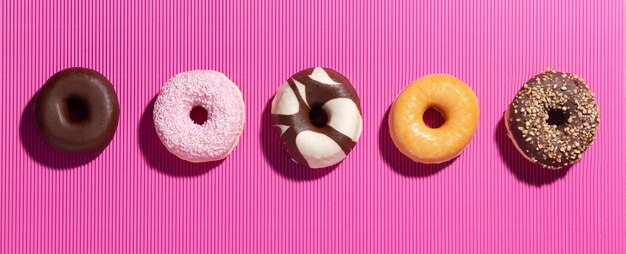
215 138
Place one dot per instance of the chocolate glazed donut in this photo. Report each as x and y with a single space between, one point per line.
77 110
553 119
317 115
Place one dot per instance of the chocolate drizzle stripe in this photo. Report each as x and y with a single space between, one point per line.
339 91
296 91
345 142
311 95
284 120
291 142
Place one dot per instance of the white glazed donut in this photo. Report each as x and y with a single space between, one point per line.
219 134
317 114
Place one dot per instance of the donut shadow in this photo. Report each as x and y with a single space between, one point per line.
278 159
524 170
159 158
40 151
399 162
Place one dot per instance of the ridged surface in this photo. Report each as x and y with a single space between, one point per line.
136 197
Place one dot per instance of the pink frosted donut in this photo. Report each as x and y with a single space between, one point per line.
212 140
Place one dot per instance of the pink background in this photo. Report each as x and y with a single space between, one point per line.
135 197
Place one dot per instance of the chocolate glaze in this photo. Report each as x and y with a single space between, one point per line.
317 94
553 119
77 110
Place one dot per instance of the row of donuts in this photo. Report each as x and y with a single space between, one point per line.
199 116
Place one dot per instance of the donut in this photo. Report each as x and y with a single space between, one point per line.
457 104
77 110
553 119
220 102
317 115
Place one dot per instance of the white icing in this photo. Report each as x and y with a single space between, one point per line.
282 127
318 149
301 90
285 101
320 75
344 116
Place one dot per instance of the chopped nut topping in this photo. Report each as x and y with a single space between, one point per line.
555 143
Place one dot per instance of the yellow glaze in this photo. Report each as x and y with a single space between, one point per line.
453 99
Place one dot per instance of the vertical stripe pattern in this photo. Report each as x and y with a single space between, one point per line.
135 197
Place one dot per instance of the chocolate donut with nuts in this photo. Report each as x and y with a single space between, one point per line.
553 119
317 114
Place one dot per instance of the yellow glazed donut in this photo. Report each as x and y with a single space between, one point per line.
457 104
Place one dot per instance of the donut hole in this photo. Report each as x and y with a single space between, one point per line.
318 116
433 118
77 109
199 115
557 117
